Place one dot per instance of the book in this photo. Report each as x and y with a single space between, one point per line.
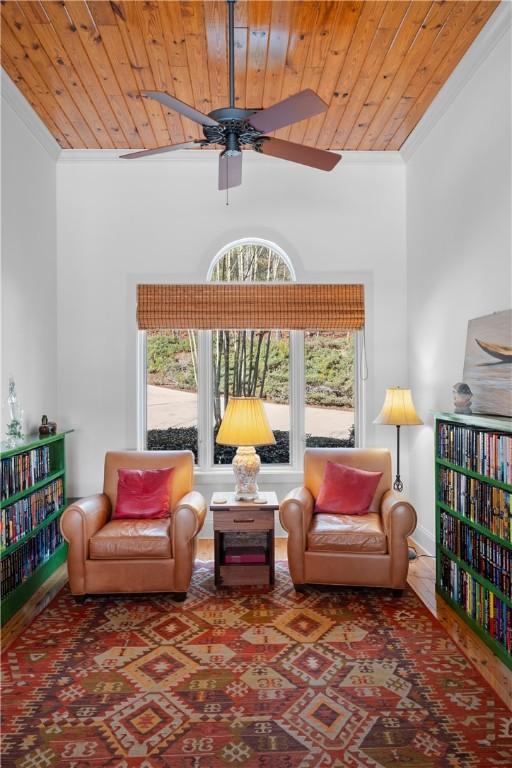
244 555
481 450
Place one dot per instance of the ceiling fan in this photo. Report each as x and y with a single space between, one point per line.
232 127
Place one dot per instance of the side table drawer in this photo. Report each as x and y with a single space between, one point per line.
245 520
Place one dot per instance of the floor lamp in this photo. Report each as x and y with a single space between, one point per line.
398 410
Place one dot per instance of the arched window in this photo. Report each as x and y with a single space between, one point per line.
251 260
254 362
306 379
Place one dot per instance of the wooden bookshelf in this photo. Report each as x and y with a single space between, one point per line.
473 471
27 512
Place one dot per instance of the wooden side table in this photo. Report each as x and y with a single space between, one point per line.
244 539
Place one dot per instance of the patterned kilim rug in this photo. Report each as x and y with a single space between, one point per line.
246 677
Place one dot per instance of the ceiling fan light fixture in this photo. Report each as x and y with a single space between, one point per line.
232 144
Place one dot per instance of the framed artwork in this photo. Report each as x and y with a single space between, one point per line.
488 363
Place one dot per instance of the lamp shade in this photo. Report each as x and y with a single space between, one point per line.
245 423
398 408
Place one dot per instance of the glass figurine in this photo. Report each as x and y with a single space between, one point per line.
15 426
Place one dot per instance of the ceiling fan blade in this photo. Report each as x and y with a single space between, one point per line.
161 150
230 171
179 106
291 110
299 153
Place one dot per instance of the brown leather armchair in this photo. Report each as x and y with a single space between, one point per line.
366 550
108 556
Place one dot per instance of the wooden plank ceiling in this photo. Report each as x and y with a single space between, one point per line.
378 65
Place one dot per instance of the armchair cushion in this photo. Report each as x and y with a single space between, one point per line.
347 533
346 490
132 539
143 493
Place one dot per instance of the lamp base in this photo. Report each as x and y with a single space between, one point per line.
246 466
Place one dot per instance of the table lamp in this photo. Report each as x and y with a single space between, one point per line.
245 425
399 410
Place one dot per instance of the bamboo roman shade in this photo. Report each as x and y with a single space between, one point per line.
289 306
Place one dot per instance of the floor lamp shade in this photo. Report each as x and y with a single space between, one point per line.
245 425
398 410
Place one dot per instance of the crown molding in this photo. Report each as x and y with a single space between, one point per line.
110 155
12 95
498 25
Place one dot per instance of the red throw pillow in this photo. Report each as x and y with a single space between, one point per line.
346 490
143 493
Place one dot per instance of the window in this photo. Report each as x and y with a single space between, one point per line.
329 377
305 379
171 390
252 362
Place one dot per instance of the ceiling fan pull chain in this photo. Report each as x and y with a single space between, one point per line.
227 180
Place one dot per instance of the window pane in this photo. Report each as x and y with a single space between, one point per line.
250 263
171 380
330 388
254 364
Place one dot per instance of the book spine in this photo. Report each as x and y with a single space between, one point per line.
23 516
482 605
22 470
485 556
476 500
20 564
483 451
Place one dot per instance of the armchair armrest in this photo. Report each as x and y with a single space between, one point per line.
296 510
84 518
189 515
188 519
295 513
399 521
398 516
78 523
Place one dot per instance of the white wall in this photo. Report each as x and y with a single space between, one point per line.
29 270
156 220
458 250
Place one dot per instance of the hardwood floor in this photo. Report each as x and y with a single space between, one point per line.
34 605
421 579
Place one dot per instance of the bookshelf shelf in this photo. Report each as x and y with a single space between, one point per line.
48 519
480 528
478 576
30 442
28 491
30 514
477 628
475 475
467 551
16 599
